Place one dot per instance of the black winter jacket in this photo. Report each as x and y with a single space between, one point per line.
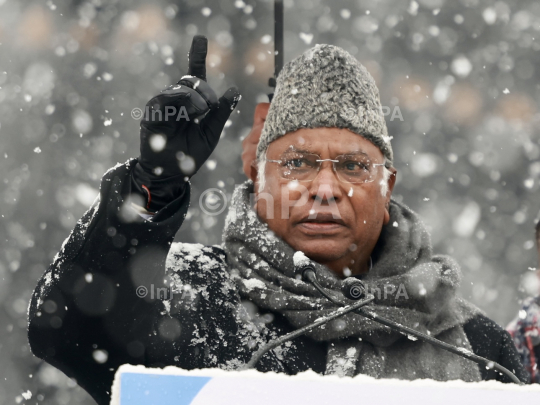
88 304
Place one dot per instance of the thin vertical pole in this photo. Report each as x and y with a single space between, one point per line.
278 37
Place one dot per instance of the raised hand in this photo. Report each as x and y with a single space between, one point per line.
181 126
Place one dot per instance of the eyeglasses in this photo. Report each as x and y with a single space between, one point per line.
351 168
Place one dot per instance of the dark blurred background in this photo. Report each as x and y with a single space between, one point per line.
459 78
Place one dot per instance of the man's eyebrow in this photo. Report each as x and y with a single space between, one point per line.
294 149
356 152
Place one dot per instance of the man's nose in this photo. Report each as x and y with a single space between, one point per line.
326 186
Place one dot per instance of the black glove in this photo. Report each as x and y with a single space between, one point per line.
180 128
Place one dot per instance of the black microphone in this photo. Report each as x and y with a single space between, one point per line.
305 271
355 287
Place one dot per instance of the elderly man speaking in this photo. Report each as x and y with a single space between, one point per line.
323 187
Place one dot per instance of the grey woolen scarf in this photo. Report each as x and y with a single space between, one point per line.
411 286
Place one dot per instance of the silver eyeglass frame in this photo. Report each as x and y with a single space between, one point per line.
333 169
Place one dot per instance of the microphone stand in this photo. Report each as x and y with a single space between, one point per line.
309 275
289 336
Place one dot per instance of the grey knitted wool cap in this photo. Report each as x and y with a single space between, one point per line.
326 87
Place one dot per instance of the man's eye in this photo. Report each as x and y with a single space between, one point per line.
298 163
355 166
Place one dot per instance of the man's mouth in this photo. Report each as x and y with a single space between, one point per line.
322 223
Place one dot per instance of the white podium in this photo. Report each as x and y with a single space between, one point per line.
136 385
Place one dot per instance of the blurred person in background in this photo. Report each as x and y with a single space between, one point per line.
103 301
525 328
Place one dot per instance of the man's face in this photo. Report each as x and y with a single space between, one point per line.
334 222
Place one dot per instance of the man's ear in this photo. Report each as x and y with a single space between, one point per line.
253 171
391 184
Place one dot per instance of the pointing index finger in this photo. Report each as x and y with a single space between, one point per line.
197 57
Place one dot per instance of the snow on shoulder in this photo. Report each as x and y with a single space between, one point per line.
253 283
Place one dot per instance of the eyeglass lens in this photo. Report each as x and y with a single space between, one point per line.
352 168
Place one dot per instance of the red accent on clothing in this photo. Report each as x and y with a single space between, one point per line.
149 199
530 346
